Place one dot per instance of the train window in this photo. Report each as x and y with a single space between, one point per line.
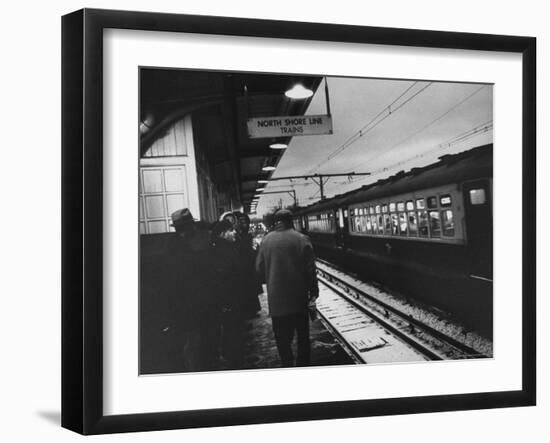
448 223
400 206
374 224
345 212
392 207
380 224
445 200
413 227
358 224
387 224
377 209
420 203
409 205
369 226
384 208
402 223
423 224
477 196
435 224
340 218
394 224
371 210
432 202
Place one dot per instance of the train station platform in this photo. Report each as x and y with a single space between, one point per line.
162 349
261 350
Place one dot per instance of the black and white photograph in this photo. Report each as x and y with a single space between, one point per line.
290 220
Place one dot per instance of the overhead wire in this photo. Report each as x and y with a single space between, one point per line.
414 134
366 129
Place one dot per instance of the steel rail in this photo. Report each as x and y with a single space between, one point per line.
467 350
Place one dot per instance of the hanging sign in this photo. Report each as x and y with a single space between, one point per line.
289 126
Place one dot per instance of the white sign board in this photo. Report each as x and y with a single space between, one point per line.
289 126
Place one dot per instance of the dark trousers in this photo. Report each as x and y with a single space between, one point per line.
233 334
284 328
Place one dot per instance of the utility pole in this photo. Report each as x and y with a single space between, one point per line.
320 179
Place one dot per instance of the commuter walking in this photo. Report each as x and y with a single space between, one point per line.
286 263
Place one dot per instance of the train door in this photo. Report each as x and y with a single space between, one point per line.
479 227
342 230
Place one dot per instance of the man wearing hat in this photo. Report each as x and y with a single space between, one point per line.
286 263
192 294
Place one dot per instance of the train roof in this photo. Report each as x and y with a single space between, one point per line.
451 168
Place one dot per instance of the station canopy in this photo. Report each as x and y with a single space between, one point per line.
221 104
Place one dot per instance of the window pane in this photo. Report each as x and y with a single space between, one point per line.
152 180
400 206
369 225
387 224
423 223
392 207
380 224
477 196
445 200
432 202
448 223
384 208
142 229
402 223
174 180
435 224
371 210
157 226
420 204
413 227
378 209
154 205
374 224
141 214
394 224
410 205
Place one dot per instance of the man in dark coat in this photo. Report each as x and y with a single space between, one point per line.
193 299
231 280
287 264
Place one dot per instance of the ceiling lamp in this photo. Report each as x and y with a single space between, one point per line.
278 146
263 182
269 168
298 92
260 189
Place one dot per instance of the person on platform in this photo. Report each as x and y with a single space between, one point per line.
286 263
247 258
231 281
194 306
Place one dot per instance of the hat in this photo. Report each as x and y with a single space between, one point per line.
182 217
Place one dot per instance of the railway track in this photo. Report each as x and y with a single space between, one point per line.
372 331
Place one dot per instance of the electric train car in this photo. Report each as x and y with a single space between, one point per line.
427 233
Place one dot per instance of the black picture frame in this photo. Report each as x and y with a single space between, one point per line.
82 232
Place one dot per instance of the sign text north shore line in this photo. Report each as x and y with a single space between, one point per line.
289 125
